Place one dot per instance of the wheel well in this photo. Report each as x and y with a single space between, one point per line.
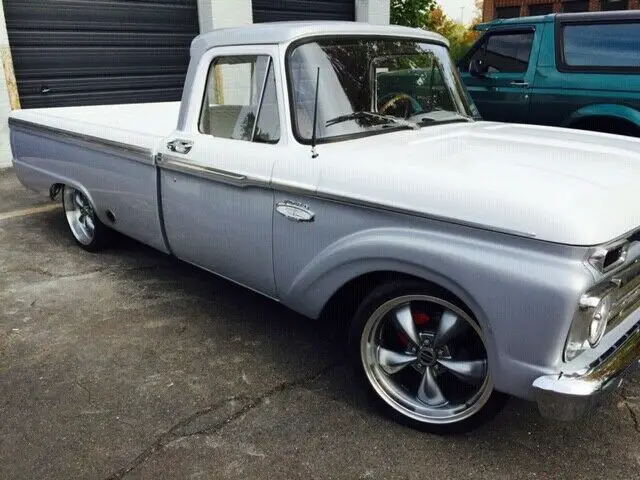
605 124
55 189
344 303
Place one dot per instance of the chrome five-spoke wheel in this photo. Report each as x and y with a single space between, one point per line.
83 222
80 216
426 358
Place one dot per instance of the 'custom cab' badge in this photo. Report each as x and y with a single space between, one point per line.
294 212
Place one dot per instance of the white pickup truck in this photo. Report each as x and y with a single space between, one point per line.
339 168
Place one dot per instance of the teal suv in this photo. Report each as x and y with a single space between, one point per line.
571 70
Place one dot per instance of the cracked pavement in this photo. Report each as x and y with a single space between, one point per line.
130 364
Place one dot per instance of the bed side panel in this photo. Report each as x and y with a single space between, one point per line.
114 177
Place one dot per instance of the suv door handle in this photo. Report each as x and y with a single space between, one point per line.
180 146
519 83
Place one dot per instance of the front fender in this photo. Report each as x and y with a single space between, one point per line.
523 298
621 112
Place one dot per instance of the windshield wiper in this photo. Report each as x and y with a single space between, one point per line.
455 117
364 114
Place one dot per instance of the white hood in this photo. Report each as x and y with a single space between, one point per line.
558 185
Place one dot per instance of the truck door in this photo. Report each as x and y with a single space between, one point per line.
217 202
508 55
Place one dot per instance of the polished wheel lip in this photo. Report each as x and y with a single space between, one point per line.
80 215
400 400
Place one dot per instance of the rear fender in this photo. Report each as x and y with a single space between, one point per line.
40 180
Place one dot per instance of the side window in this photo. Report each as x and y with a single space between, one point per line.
506 52
602 45
240 89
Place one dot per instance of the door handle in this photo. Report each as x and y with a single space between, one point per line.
519 83
180 146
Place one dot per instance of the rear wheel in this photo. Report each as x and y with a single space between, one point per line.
424 359
87 229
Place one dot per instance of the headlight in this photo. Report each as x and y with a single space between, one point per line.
590 322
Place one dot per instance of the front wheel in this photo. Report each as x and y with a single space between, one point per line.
85 226
424 359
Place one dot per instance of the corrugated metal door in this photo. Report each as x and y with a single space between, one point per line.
279 10
85 52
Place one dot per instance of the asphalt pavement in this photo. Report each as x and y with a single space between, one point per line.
131 364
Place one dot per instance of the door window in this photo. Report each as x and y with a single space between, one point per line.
505 52
610 5
573 6
541 9
507 12
614 45
240 100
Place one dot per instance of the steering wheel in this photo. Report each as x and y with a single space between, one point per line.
411 105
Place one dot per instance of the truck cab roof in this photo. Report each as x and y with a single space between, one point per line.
284 32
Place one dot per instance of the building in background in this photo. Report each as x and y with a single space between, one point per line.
83 52
493 9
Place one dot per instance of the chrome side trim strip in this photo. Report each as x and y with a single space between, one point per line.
392 209
175 164
140 154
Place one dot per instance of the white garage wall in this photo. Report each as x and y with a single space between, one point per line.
223 13
231 13
373 11
5 106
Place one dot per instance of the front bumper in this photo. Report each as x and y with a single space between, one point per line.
570 396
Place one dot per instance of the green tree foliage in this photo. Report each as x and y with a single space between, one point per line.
411 13
429 15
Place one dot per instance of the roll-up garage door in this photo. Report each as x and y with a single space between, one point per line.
86 52
280 10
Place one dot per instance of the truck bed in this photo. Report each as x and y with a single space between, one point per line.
139 125
105 151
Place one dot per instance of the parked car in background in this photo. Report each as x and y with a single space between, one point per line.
571 70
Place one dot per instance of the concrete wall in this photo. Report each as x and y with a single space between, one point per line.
224 13
5 103
373 11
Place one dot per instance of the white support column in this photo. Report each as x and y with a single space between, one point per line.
224 13
373 11
8 92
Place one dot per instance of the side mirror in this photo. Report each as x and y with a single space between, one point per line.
477 68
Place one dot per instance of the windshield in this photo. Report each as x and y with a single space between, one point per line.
368 86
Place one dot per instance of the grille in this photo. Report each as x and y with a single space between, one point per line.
614 348
628 296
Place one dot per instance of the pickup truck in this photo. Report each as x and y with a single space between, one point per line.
578 70
337 168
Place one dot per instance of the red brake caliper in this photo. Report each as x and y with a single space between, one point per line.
420 319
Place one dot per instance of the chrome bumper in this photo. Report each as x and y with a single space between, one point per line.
570 396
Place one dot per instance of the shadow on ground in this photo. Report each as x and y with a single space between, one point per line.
132 364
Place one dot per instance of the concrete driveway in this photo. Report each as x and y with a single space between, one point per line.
131 364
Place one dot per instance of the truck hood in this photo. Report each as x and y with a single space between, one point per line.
557 185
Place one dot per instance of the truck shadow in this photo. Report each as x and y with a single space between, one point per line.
287 338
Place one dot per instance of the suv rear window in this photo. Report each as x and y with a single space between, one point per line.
612 45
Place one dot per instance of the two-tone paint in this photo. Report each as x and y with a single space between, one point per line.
504 217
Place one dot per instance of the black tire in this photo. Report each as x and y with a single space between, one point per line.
380 296
609 125
101 235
